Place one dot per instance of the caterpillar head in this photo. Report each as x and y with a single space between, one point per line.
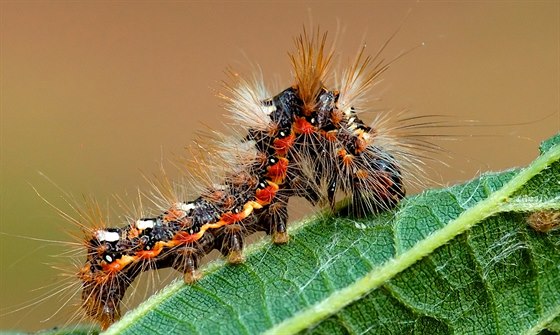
102 277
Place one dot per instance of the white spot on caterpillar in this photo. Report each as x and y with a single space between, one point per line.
347 111
108 236
269 109
144 224
186 207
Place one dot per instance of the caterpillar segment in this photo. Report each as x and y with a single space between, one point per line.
303 143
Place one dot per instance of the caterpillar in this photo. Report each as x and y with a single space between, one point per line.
306 141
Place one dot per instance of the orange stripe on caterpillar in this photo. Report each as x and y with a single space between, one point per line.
119 264
227 219
149 254
266 195
277 172
231 218
283 145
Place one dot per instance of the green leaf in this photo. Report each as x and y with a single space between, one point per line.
554 326
457 260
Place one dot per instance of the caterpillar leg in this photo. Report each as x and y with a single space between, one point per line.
273 220
188 263
378 187
105 309
279 226
188 260
231 243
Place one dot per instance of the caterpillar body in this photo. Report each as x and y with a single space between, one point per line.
307 141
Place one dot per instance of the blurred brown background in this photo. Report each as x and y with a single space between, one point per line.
93 93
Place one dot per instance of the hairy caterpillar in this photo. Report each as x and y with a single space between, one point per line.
307 140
